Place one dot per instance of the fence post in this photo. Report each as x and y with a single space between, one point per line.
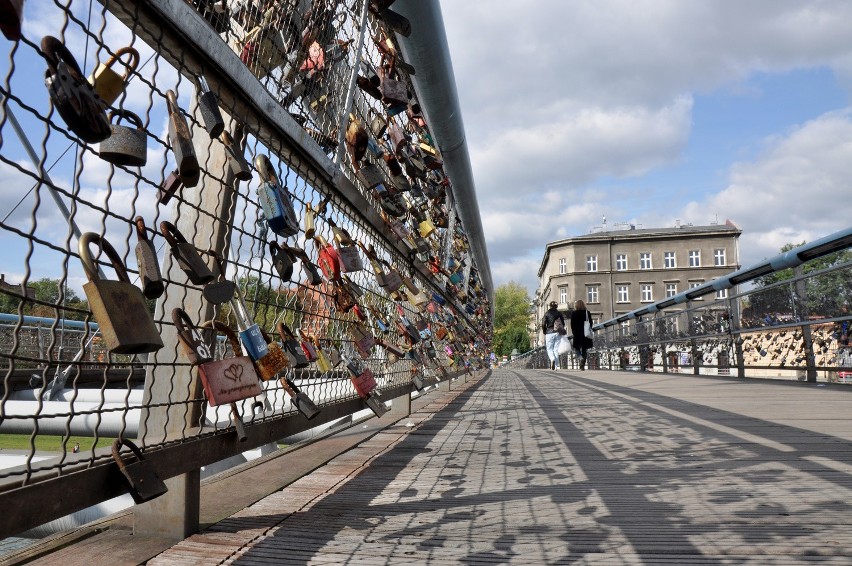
800 295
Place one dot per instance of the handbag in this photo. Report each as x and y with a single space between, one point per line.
587 325
564 345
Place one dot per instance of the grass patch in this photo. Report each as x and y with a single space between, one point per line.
49 443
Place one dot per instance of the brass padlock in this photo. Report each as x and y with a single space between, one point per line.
142 479
118 306
170 186
236 160
186 255
11 13
125 146
72 96
107 83
149 266
356 139
181 142
208 105
221 291
282 260
311 215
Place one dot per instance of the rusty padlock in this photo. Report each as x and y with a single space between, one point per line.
107 83
181 142
186 255
220 291
125 146
282 260
72 96
236 160
169 187
149 266
300 399
208 105
11 13
142 479
118 306
371 176
394 91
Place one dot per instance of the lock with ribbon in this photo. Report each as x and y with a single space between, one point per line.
181 142
236 160
220 291
149 266
142 478
328 260
282 260
292 347
71 95
275 201
107 83
208 105
186 255
118 306
125 145
300 399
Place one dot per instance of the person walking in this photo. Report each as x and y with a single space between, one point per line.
581 343
553 326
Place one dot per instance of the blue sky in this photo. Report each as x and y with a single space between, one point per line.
651 112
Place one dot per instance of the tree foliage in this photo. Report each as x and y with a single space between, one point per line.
829 294
52 292
511 316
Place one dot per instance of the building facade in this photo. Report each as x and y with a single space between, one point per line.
617 271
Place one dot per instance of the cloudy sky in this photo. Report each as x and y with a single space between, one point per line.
650 112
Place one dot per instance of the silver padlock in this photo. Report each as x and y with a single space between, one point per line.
125 146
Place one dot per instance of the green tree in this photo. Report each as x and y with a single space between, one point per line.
826 295
46 290
511 317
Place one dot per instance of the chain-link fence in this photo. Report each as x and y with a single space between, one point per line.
260 165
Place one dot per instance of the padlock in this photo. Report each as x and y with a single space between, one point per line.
363 339
378 125
282 260
362 378
414 166
275 202
370 176
181 142
378 318
71 95
344 299
356 139
393 90
208 105
125 145
119 307
274 362
11 13
397 137
250 333
236 160
292 347
302 402
220 291
393 204
142 479
149 266
311 215
328 259
393 280
416 380
347 251
356 290
307 346
169 187
186 255
426 228
322 361
107 83
333 353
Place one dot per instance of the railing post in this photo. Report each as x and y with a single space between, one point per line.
400 406
800 297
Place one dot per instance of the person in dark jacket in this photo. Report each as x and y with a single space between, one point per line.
552 333
581 343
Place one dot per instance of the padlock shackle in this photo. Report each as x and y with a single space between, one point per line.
122 113
172 104
116 452
227 331
285 332
141 229
88 262
227 138
184 325
265 169
55 52
132 63
172 235
220 263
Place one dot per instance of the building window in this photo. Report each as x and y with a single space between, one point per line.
693 285
591 263
625 328
719 258
721 294
593 294
563 266
622 294
671 290
563 295
647 293
694 258
645 260
621 262
669 259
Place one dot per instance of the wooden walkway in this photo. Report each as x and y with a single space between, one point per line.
598 467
